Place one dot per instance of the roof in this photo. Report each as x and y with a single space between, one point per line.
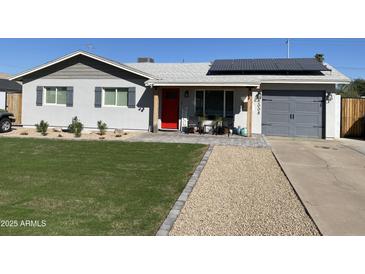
267 65
20 76
7 85
195 74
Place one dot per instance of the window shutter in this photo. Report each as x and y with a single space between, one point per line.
98 97
39 99
132 97
70 97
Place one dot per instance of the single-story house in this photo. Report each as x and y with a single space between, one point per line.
285 97
10 96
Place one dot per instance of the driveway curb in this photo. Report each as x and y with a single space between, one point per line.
166 226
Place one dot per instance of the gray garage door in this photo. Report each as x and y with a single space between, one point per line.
293 113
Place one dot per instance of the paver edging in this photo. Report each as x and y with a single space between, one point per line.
167 225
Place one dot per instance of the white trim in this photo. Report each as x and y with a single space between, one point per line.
203 84
53 104
116 97
305 82
224 99
223 84
121 66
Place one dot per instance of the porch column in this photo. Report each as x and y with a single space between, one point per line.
249 113
156 105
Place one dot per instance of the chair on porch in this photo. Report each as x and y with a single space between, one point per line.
228 125
218 126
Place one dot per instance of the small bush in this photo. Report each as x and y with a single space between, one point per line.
42 127
102 127
76 127
71 127
118 132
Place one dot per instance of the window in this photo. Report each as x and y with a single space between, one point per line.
229 104
56 95
214 100
115 97
214 103
199 103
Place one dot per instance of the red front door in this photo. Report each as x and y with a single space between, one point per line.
170 108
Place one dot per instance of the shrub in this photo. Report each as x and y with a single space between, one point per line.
75 127
42 127
118 132
78 129
71 127
102 127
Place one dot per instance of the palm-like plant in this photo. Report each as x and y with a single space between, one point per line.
319 57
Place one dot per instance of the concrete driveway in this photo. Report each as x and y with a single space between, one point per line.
329 177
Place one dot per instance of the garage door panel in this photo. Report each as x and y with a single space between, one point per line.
278 118
303 131
277 106
308 119
292 113
312 107
276 130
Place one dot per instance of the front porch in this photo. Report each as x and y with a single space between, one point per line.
190 109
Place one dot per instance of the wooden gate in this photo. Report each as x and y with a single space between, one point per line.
14 105
352 117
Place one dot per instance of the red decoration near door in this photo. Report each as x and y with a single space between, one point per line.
170 109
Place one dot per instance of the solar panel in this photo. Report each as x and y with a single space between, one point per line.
267 65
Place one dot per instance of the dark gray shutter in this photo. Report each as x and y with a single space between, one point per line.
98 97
39 99
70 97
132 97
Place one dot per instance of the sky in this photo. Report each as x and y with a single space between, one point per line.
347 55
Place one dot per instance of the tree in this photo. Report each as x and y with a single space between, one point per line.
319 57
355 89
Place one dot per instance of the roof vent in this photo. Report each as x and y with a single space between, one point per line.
145 60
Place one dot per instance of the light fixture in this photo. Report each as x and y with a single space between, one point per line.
329 96
258 96
186 94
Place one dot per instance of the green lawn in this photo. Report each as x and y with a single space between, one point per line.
90 187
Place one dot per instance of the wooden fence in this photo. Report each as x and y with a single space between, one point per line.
352 117
14 105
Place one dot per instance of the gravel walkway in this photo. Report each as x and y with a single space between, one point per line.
242 191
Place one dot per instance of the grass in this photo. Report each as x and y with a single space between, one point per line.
90 187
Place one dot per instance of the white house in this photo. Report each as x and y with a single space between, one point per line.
285 97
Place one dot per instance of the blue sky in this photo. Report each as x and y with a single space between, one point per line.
348 55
